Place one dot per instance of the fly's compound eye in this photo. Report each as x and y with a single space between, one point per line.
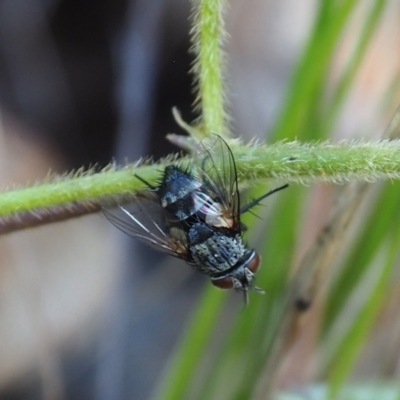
254 263
223 283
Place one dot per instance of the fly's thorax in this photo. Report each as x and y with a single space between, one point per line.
214 251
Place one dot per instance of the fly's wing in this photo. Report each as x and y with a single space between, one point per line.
145 220
215 166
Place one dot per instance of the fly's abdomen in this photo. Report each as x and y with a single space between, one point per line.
177 193
183 196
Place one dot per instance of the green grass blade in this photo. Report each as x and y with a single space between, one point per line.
193 346
357 336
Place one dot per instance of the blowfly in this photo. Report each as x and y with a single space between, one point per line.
193 213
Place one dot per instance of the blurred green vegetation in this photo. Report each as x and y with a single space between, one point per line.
351 324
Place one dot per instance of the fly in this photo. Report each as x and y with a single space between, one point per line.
194 214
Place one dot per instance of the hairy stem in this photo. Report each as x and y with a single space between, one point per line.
287 161
208 33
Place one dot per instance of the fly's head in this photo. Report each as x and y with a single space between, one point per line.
241 279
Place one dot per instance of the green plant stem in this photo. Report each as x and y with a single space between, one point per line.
291 161
208 33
